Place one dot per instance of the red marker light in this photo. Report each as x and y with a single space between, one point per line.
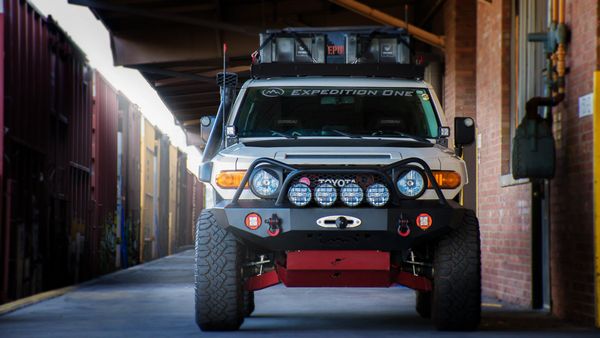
253 221
424 221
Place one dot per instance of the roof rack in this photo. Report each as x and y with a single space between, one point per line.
383 70
334 45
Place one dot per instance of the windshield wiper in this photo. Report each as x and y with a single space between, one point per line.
343 133
405 135
275 132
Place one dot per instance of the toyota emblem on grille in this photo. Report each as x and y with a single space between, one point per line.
337 182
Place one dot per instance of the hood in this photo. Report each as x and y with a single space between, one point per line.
374 154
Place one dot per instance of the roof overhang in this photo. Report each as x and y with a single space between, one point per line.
177 44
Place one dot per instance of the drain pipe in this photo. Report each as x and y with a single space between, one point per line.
596 161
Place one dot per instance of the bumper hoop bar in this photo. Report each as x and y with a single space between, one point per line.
296 171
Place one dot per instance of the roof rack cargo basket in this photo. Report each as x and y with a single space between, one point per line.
385 70
334 45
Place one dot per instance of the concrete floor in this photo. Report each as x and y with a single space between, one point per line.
156 300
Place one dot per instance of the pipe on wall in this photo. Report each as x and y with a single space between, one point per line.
561 51
596 171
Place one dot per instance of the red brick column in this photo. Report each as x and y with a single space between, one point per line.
459 77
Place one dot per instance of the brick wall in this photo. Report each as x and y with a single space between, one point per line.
459 73
572 248
504 212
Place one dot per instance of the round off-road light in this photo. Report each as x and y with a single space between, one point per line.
299 194
253 221
378 194
351 194
325 194
264 183
411 183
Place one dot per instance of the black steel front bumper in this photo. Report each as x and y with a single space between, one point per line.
379 228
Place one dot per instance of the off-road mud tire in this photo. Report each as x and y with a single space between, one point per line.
456 296
218 277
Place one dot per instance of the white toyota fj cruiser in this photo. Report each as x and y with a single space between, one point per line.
326 173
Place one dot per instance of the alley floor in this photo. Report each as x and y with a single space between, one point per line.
156 300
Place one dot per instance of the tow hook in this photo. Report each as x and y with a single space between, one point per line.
403 228
274 225
341 222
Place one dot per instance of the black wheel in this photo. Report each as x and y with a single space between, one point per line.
456 297
219 290
424 304
248 303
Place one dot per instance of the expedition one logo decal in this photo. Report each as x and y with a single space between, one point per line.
351 91
273 92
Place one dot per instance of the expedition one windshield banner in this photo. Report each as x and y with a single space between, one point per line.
274 92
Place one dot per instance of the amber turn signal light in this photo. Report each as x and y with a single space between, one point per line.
445 179
230 179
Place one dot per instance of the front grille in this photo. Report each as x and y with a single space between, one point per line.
339 180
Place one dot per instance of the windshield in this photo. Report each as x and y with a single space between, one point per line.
331 111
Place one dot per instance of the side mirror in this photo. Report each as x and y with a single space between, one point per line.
205 172
464 131
206 124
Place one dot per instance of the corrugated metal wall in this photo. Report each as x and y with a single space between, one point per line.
46 156
130 122
163 194
173 180
87 186
147 192
104 178
197 204
191 204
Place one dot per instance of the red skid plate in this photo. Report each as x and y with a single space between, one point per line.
263 281
338 260
337 269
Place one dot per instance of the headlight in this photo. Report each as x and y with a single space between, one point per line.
351 194
378 195
299 194
411 183
264 183
325 194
